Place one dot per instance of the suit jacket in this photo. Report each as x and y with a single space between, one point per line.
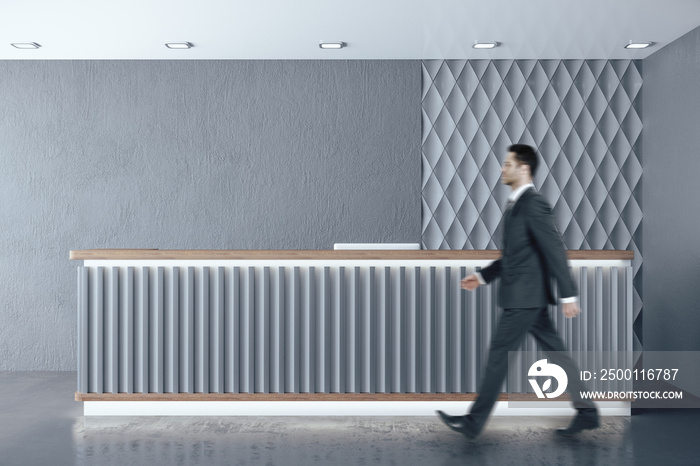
533 253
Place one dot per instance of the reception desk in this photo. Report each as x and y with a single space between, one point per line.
244 327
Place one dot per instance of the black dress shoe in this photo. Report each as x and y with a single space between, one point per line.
462 424
582 421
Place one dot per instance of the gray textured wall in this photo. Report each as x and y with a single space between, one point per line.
671 200
583 116
185 154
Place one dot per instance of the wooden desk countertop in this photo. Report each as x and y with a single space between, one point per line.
300 254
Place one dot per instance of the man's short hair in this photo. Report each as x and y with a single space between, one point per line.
525 154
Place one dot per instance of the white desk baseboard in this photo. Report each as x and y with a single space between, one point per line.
333 408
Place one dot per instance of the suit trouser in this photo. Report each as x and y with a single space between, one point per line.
512 327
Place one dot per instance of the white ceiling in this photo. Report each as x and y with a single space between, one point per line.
373 29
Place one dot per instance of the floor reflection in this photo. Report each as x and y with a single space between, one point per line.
340 441
42 425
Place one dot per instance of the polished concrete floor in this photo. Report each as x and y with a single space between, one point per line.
40 424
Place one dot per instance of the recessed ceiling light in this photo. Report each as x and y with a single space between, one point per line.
331 45
485 45
179 45
25 45
638 45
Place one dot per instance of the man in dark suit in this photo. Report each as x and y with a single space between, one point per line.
533 253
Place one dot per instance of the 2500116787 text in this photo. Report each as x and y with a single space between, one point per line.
636 374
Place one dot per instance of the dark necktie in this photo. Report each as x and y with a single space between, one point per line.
510 205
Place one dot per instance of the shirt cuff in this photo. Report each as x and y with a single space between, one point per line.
480 278
572 299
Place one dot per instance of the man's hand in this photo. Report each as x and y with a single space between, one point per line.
571 309
470 283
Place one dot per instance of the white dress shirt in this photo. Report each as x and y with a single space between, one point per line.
513 197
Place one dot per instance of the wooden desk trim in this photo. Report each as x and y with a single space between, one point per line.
286 254
301 397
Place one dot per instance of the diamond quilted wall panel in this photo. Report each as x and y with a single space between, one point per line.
583 116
